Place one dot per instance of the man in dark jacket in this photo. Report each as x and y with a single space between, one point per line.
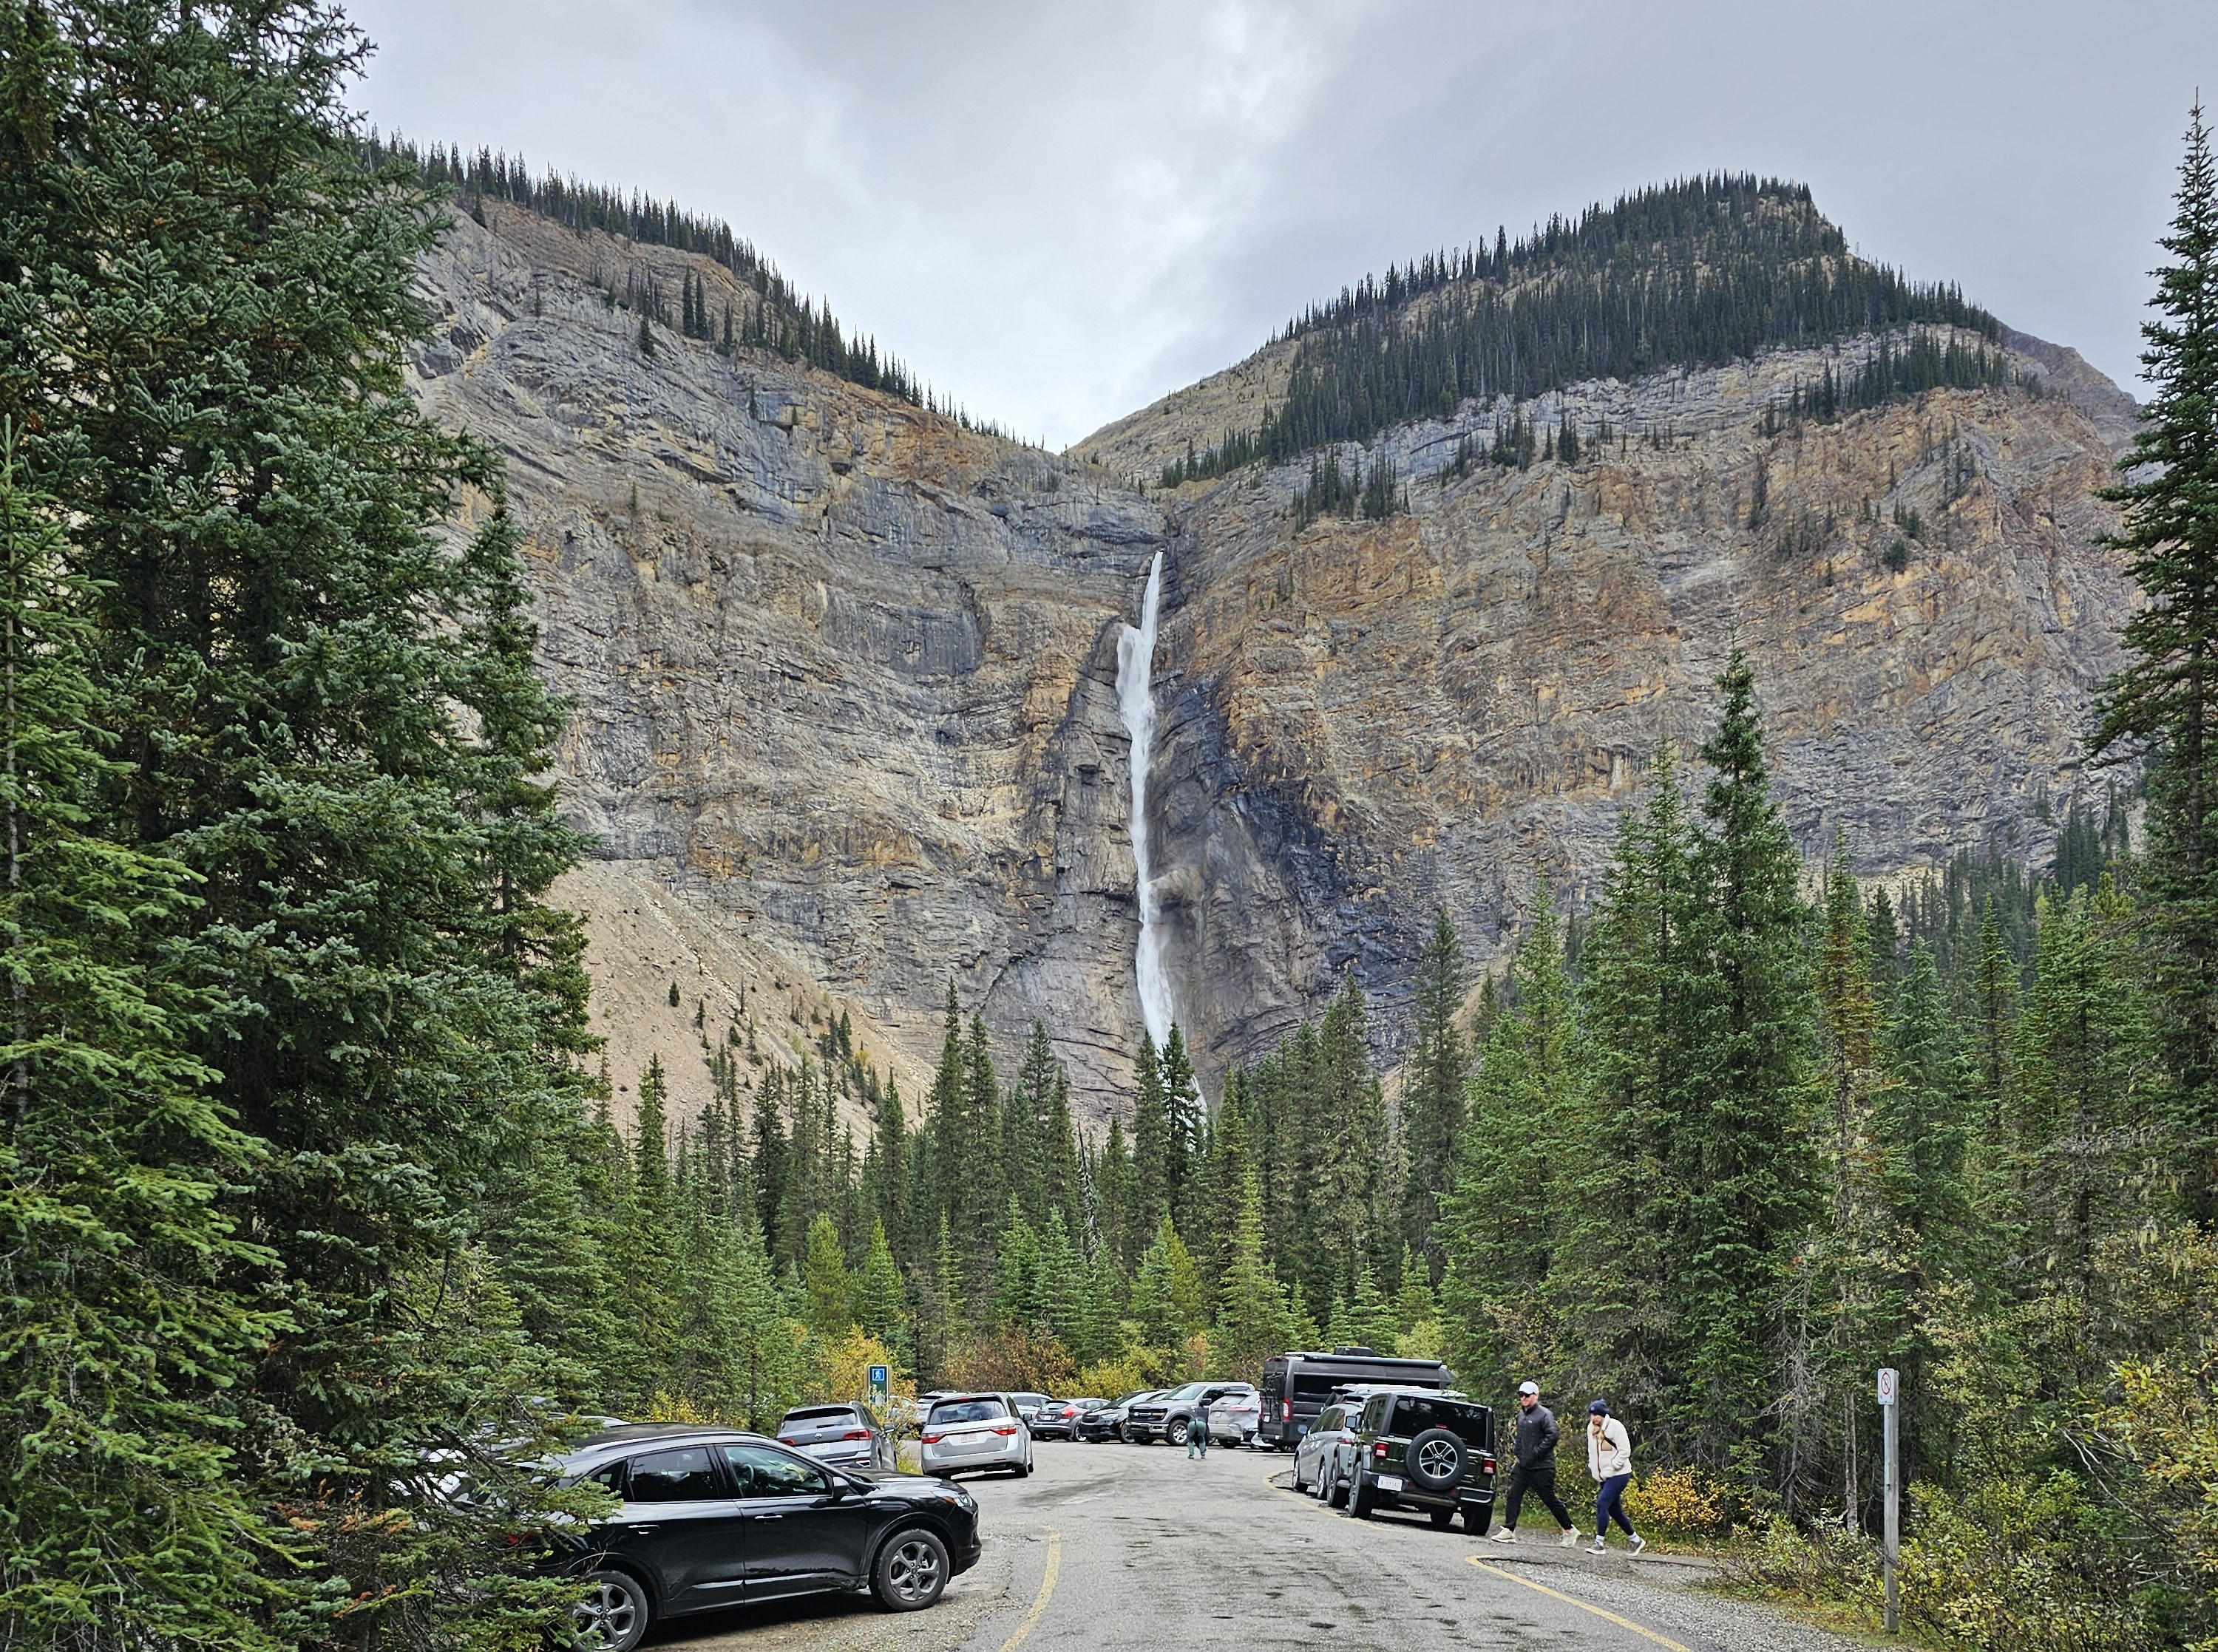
1535 1468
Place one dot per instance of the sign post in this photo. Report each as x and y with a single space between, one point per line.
880 1384
1890 1483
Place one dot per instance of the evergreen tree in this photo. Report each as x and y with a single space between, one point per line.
1184 1134
1059 1293
831 1291
1754 1181
121 1517
324 716
2085 1079
1619 1272
1225 1172
888 1196
648 1273
2164 702
1994 991
1348 1145
1168 1298
1433 1107
880 1305
981 1184
946 1149
1500 1230
1251 1305
1149 1204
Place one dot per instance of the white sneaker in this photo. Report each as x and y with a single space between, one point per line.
1639 1542
1508 1534
1601 1546
1570 1540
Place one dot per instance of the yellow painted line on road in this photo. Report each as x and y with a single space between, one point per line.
1570 1600
1047 1588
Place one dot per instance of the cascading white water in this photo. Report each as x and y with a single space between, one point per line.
1136 698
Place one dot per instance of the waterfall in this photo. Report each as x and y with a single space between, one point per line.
1135 698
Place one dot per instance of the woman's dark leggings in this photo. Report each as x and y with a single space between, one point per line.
1610 1504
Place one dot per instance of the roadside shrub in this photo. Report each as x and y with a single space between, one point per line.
2016 1567
1682 1502
1826 1565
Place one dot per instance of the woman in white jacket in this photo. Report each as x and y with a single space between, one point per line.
1610 1460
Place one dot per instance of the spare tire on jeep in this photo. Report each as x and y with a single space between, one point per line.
1435 1460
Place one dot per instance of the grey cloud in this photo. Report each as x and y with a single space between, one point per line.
1057 213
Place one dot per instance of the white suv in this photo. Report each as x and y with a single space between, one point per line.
964 1432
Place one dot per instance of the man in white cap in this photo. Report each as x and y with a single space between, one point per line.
1535 1467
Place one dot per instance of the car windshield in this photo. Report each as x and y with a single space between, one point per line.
1469 1423
985 1408
1191 1391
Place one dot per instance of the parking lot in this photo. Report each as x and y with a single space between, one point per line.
1118 1546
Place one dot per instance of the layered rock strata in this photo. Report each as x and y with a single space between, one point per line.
845 672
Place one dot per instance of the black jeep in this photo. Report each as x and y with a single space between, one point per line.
1421 1449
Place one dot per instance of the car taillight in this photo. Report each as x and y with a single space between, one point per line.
1380 1449
787 1439
1486 1465
1007 1429
856 1433
1285 1411
934 1440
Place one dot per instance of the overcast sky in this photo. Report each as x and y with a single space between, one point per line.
1056 213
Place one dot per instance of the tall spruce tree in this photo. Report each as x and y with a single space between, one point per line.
1750 1180
122 1518
1433 1107
1501 1230
1185 1125
1150 1202
206 323
2164 702
1620 1271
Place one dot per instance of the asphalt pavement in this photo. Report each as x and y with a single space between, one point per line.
1134 1546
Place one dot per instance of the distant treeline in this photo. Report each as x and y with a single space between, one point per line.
782 318
1692 274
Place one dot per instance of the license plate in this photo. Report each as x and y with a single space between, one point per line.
1390 1482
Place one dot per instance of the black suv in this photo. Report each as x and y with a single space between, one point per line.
1421 1449
710 1517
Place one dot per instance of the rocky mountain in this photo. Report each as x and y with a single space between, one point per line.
845 671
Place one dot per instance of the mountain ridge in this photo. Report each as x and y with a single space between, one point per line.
845 670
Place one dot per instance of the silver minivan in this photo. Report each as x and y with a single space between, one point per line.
966 1432
844 1436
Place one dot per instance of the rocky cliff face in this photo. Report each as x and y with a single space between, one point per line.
844 672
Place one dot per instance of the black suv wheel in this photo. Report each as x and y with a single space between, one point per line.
614 1614
911 1570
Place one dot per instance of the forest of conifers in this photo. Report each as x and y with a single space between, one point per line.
1692 273
312 1210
